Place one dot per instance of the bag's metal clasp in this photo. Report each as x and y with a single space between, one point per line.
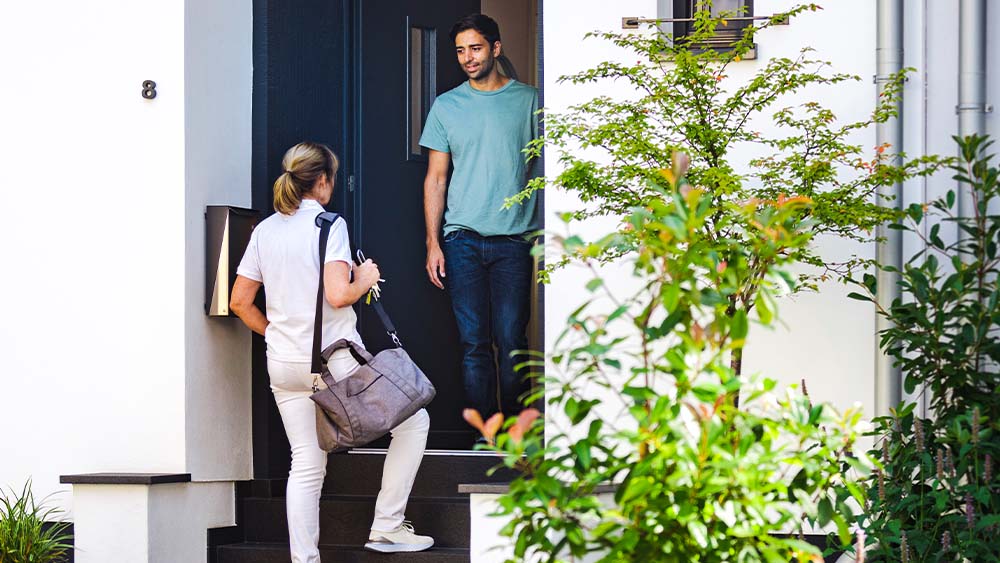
316 378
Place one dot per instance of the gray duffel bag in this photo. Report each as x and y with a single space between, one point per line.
387 388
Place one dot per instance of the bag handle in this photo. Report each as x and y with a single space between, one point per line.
325 221
360 354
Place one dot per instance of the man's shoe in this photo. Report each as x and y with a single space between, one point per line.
399 540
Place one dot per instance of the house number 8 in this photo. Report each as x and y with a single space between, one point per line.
149 89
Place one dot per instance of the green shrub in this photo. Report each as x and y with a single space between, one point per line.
645 393
26 532
937 495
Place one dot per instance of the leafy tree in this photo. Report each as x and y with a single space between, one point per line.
613 150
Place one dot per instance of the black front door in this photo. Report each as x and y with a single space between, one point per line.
340 72
403 58
301 54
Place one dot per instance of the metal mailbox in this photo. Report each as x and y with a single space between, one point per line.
227 234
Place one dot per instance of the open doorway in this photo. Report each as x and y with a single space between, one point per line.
520 30
518 20
387 169
344 73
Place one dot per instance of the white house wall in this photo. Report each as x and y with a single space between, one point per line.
930 36
92 338
110 364
218 80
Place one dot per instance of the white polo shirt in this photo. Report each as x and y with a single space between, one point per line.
283 254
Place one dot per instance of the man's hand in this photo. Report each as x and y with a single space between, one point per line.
435 265
435 189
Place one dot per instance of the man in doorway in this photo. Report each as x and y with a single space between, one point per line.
482 252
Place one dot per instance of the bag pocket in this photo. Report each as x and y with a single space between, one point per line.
359 389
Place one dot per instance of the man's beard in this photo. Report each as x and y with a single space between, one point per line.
484 69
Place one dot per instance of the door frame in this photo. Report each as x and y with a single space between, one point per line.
270 451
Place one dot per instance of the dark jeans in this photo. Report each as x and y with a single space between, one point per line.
489 280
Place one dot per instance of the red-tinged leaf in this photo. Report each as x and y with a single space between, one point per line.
474 419
516 433
523 423
491 426
527 417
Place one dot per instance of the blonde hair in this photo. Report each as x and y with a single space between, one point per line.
302 166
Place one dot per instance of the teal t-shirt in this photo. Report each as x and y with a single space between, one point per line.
485 132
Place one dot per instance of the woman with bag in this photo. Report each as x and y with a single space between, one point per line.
283 257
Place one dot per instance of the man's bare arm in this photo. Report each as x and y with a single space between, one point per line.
435 190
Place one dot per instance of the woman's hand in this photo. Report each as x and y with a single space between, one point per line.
366 274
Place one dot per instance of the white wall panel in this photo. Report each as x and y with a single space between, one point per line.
92 338
110 363
218 78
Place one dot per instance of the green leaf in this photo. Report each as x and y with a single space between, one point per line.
763 310
825 511
707 392
582 451
699 532
636 488
861 467
573 243
621 310
739 327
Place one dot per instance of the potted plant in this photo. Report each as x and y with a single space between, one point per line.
27 531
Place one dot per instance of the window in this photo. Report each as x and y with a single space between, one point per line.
421 75
725 36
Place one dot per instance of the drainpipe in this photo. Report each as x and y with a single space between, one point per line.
971 84
889 252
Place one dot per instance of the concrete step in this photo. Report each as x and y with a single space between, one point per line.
439 475
346 519
278 553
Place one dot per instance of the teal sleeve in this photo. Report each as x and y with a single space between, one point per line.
434 135
535 165
535 117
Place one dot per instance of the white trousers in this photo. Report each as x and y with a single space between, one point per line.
291 384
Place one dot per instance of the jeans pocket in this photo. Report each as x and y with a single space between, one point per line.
453 235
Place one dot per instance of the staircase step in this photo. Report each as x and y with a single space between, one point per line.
439 475
346 519
278 553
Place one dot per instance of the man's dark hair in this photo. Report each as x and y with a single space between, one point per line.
485 25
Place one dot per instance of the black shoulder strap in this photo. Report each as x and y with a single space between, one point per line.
325 221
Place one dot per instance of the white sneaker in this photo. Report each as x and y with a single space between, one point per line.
399 540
